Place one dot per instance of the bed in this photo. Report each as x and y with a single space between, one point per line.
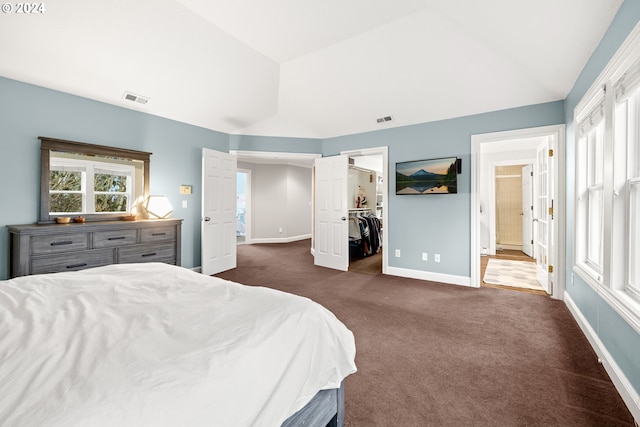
155 344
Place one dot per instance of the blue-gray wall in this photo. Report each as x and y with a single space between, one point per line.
620 340
434 224
438 223
28 111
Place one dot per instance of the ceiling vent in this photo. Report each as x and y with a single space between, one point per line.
384 119
128 96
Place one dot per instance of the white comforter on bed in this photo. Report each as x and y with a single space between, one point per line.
159 345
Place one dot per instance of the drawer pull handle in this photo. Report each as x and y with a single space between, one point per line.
77 265
149 254
158 234
117 238
65 242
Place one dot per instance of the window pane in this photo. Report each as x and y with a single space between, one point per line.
595 156
111 203
63 202
594 228
634 236
110 183
65 181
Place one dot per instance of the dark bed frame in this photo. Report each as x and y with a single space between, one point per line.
326 409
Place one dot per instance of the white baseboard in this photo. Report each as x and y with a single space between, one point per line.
280 239
196 269
428 275
620 381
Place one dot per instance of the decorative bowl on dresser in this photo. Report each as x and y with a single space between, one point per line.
51 248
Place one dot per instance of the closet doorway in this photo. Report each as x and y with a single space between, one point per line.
514 208
333 200
365 200
367 178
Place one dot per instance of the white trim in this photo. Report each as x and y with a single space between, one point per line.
428 275
197 269
559 190
280 239
619 379
274 157
624 57
607 282
384 151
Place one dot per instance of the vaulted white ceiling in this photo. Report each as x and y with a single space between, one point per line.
307 68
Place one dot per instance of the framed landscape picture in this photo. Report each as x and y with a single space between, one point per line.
432 176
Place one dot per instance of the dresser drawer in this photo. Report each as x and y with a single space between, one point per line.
59 243
156 234
49 248
159 252
72 262
109 239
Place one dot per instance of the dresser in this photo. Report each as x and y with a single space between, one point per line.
51 248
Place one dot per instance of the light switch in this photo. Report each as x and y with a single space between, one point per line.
184 204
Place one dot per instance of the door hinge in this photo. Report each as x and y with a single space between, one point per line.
532 242
550 211
551 269
531 173
551 153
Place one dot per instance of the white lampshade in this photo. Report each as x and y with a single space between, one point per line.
158 207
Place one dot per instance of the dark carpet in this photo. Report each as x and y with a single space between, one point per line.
431 354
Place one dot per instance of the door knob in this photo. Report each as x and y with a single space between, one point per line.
206 218
344 218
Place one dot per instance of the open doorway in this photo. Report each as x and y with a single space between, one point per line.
333 200
365 198
512 264
243 198
545 145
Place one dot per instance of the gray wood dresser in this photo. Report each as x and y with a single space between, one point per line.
51 248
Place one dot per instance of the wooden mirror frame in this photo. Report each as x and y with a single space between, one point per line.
47 145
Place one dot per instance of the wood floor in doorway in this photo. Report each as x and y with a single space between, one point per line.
506 254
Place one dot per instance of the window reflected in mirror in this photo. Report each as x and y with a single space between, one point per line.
93 181
81 184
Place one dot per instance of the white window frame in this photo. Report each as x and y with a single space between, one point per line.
626 190
621 170
589 234
88 169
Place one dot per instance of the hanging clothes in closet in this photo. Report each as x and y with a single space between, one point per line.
364 234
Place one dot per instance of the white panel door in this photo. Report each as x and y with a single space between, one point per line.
544 213
218 230
527 210
331 212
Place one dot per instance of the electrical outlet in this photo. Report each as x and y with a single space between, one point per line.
184 204
436 257
280 230
397 253
425 256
